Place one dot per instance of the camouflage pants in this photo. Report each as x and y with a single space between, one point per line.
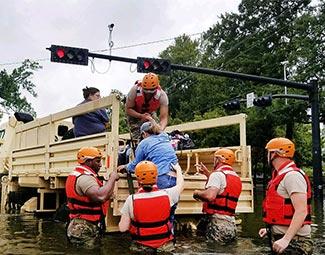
82 232
216 229
298 245
135 124
168 247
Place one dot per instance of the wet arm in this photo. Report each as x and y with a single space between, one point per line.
179 178
206 195
124 223
129 109
102 194
299 202
163 116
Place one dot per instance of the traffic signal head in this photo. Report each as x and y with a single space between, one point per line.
232 105
263 101
153 65
69 55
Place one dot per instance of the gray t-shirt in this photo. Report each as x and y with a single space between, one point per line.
291 183
219 181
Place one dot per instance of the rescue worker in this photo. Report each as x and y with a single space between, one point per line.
87 198
286 207
143 100
146 213
220 198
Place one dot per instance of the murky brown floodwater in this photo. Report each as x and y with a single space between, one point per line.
26 234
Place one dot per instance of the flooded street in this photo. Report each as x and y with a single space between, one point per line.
27 234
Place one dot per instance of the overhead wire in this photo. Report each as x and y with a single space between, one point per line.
104 50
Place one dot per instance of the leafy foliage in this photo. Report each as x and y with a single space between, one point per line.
12 84
255 41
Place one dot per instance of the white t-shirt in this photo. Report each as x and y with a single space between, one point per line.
172 193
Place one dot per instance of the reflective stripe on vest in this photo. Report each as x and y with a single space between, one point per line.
152 105
81 206
278 210
151 225
226 202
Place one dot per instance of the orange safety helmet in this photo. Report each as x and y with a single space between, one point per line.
225 156
283 147
88 153
150 81
146 172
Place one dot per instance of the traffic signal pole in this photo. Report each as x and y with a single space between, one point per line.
317 154
312 88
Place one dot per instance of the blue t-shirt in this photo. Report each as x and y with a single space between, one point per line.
90 123
155 148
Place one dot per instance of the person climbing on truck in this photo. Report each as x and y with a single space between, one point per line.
146 214
143 100
220 198
287 205
87 198
156 147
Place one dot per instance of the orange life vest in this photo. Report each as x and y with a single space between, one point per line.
226 202
81 206
142 106
278 210
151 225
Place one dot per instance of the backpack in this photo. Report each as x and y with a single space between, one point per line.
181 141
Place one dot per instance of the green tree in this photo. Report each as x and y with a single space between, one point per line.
13 84
255 41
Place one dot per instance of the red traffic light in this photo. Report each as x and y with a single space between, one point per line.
69 55
146 64
60 53
154 65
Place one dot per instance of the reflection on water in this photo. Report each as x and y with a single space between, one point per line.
25 234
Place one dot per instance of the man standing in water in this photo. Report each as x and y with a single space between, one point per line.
88 198
146 214
286 207
220 198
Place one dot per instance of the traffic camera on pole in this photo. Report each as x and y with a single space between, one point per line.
232 105
69 55
263 101
153 65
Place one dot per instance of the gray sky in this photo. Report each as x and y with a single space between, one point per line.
27 27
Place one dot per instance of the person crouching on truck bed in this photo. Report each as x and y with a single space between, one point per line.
287 205
146 214
87 198
143 100
220 198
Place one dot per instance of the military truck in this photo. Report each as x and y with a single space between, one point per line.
35 161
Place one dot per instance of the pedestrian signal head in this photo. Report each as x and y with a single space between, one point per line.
146 173
150 81
86 153
282 147
225 156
